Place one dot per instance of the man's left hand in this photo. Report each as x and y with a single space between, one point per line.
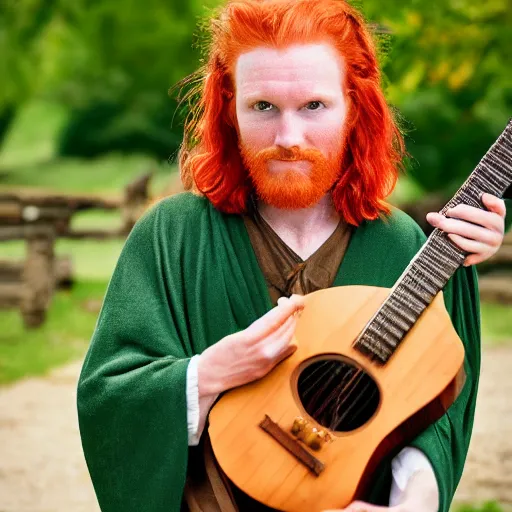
420 495
361 506
476 231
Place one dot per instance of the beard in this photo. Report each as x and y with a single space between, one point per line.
291 188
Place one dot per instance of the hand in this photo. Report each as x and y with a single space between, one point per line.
252 353
476 231
420 495
361 506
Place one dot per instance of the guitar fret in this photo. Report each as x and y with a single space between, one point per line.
436 261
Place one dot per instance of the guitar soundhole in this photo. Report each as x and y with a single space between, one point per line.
337 394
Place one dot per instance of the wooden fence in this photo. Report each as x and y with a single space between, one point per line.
39 219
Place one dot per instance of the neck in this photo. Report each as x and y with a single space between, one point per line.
305 229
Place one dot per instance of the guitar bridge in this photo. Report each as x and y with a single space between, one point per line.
292 445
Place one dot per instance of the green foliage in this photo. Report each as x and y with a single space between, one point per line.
107 126
21 26
28 159
448 75
114 72
31 138
110 62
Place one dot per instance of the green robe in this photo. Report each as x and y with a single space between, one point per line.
187 277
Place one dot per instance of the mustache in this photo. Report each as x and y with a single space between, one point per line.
292 154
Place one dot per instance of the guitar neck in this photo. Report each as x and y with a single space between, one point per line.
437 260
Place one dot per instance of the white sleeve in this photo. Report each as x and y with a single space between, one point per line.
197 409
403 466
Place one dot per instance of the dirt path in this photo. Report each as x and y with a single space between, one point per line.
42 468
488 470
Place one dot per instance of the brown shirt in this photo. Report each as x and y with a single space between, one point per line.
286 273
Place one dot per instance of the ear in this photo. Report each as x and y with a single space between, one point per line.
229 109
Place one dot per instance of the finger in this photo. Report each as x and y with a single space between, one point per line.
279 332
279 347
494 204
296 298
285 339
272 320
470 246
490 220
469 231
275 350
291 348
473 259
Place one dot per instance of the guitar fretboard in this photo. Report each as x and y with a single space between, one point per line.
437 260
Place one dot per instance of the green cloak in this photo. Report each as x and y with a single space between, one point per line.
187 277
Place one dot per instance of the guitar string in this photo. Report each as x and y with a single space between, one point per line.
341 396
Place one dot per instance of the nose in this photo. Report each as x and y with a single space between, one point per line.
290 132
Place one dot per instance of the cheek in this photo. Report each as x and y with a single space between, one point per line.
328 136
255 134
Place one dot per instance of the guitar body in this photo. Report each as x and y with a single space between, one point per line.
413 389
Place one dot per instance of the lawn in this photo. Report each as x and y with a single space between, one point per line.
64 336
28 159
489 506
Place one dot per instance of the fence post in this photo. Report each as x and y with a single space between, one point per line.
136 198
38 277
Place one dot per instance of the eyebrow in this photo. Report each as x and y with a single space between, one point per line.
267 95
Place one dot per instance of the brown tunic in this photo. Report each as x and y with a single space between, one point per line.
286 273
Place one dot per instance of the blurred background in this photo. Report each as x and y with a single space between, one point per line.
88 138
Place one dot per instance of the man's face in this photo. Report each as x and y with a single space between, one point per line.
290 112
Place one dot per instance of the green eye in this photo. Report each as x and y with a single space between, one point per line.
263 106
314 105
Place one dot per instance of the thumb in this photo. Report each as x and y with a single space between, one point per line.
494 204
275 318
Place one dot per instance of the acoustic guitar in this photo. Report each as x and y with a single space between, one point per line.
309 435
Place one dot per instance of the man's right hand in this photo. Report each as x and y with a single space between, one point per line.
250 354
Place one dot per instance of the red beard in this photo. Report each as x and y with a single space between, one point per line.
291 189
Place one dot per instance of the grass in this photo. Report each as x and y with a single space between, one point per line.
488 506
106 175
63 337
28 159
31 139
92 259
496 324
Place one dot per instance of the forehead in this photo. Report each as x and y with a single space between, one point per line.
306 66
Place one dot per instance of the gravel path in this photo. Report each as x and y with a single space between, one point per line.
42 468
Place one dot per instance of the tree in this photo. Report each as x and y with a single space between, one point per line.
22 25
449 74
113 62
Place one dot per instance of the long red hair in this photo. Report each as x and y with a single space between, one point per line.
209 157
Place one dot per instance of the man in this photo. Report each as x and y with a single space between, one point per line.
292 150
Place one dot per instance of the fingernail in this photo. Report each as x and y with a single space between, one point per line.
432 217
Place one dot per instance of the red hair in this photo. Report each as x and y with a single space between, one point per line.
210 162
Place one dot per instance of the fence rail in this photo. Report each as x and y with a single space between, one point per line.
39 220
